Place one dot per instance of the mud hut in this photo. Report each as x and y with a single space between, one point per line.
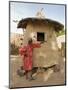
42 29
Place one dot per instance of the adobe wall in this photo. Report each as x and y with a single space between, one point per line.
48 54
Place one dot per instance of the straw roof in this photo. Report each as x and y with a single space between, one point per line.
23 23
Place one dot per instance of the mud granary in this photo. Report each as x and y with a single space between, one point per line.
42 29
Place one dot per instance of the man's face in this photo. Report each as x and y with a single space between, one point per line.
30 41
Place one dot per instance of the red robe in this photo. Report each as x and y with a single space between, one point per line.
27 52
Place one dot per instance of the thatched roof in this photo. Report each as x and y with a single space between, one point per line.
23 23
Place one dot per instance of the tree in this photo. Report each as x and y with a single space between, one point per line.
62 32
14 49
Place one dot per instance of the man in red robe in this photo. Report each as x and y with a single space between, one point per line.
27 52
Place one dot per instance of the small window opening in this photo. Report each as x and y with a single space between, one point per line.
40 36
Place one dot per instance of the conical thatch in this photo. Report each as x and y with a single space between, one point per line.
23 23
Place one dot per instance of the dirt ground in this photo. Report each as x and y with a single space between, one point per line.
49 77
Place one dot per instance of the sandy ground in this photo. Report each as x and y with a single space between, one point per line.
46 78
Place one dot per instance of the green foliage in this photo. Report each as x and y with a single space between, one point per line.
14 49
60 33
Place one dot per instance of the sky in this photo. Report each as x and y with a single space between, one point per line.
20 10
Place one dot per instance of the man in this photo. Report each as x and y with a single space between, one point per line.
27 52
